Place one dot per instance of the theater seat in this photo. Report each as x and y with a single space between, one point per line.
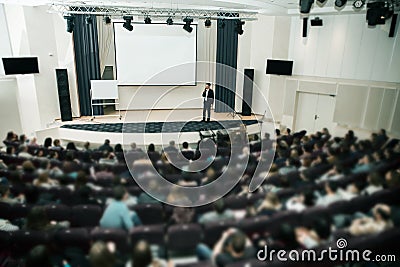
24 240
214 230
149 213
58 212
153 234
86 215
183 238
73 237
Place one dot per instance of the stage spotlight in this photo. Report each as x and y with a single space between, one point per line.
378 12
316 22
147 20
340 3
70 23
128 23
207 23
239 27
358 4
89 20
187 26
107 20
305 6
170 21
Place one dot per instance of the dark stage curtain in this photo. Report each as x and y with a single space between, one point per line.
227 48
87 61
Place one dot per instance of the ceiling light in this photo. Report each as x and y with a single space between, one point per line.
170 21
316 22
305 6
188 22
128 23
239 27
89 20
358 4
340 3
207 23
70 23
107 20
147 20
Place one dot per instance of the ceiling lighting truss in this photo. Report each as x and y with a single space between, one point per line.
120 11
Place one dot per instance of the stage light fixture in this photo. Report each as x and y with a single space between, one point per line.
188 22
107 20
358 4
170 21
305 6
316 22
239 27
128 23
89 20
70 23
147 20
378 12
340 3
207 23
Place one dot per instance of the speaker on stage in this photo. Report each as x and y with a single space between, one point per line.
63 94
247 91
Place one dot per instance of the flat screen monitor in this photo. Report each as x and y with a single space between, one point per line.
20 65
279 67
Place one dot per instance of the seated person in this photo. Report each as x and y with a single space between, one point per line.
378 223
220 213
318 234
142 257
234 246
117 214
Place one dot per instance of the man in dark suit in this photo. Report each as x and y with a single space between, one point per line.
208 101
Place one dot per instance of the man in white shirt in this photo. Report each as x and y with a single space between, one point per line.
208 101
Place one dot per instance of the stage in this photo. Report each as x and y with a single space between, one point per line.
145 127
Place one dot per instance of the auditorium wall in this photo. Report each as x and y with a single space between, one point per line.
32 31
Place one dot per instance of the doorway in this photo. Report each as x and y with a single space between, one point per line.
314 112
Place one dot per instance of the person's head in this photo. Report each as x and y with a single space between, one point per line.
56 142
43 177
151 148
23 148
141 255
47 142
118 148
267 136
272 198
36 219
375 178
38 256
172 143
119 193
392 178
86 145
322 227
208 85
100 255
133 146
277 132
331 187
382 132
28 166
219 206
71 146
185 145
107 142
286 234
238 243
288 131
381 212
22 138
10 136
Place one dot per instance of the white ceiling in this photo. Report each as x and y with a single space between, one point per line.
274 7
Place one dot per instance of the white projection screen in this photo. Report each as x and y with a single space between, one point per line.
155 54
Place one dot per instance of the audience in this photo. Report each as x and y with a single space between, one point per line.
309 173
